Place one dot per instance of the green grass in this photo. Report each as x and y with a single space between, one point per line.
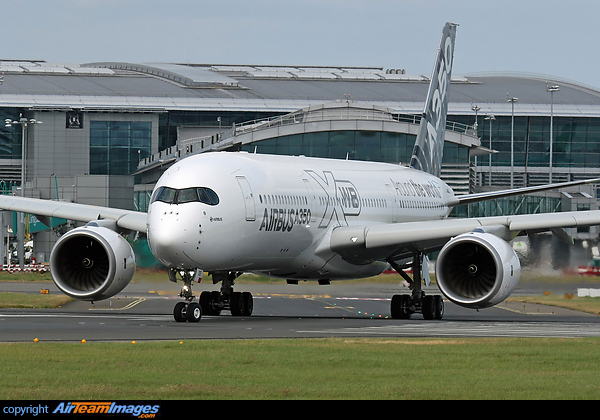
26 276
25 300
466 368
584 304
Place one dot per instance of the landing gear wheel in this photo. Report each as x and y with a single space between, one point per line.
248 303
193 312
401 307
235 305
209 301
179 312
205 302
215 299
438 304
433 307
241 304
428 309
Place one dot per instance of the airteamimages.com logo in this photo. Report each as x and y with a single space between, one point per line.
142 411
146 411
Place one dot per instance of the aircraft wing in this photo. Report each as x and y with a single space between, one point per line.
490 195
126 219
352 240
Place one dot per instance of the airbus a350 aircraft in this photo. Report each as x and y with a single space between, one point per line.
301 218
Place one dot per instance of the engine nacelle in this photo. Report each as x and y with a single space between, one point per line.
477 270
92 263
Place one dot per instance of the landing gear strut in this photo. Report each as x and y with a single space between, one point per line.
403 306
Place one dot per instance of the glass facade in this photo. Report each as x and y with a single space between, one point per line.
355 145
576 140
524 204
117 146
168 122
576 146
10 137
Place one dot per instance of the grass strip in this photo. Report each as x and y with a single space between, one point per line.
583 304
26 300
413 368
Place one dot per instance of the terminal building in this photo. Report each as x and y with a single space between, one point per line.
102 133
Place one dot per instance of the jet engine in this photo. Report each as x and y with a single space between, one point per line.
92 263
477 270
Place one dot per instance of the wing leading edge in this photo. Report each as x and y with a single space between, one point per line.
125 219
419 235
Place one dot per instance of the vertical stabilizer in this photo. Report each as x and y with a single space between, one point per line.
429 146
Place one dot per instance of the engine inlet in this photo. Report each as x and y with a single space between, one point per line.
84 265
477 270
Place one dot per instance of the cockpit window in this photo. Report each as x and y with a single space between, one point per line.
164 194
204 198
186 195
213 198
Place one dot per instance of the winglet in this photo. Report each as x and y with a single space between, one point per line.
429 145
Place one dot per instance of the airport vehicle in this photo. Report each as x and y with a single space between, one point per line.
301 218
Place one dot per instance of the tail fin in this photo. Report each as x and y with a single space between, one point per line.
429 146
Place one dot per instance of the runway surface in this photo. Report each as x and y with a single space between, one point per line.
144 312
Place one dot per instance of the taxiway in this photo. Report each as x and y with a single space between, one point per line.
144 312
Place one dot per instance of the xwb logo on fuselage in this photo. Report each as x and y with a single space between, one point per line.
341 198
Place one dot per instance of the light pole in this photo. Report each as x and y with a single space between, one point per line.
475 108
512 140
551 89
24 123
490 118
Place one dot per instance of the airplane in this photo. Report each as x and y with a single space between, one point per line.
301 218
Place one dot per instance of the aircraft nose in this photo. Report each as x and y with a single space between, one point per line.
168 238
161 242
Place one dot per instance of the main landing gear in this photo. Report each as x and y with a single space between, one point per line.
210 303
403 306
239 303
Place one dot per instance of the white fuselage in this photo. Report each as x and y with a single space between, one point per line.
274 214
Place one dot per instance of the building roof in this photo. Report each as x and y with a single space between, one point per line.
160 87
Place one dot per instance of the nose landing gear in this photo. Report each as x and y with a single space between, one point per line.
189 310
